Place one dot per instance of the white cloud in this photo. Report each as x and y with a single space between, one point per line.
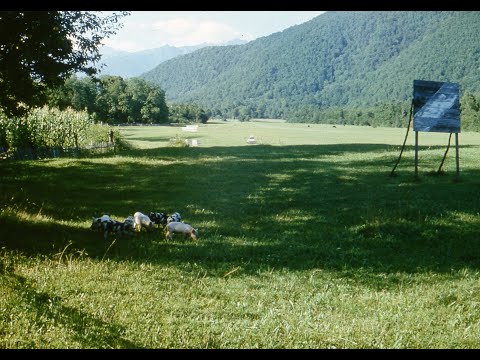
151 29
185 31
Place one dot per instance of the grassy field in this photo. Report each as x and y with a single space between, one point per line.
305 241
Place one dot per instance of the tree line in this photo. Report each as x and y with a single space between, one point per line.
114 100
387 114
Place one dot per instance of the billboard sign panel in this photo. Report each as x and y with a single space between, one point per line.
436 106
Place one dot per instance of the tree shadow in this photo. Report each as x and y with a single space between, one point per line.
332 207
150 139
89 331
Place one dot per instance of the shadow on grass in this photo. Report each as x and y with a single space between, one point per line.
89 331
151 139
295 207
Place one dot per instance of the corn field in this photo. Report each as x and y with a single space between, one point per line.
49 132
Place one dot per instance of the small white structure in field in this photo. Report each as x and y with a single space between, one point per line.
192 142
191 128
251 140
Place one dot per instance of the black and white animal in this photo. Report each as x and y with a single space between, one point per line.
142 221
158 218
114 227
177 227
130 222
109 226
175 217
97 223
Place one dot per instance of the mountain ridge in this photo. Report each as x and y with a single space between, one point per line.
130 64
337 59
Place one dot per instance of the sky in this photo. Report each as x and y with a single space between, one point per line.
144 30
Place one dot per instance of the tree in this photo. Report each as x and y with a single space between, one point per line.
41 49
147 102
137 93
84 93
187 113
155 108
79 94
113 100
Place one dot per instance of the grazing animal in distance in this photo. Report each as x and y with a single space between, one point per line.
118 228
142 221
158 218
97 222
130 222
109 226
176 227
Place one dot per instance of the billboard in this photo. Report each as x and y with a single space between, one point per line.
436 106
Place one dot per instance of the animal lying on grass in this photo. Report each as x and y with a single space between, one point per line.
142 221
177 227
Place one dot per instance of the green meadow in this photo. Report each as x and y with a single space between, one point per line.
305 241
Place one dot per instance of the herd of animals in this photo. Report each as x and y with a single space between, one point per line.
132 225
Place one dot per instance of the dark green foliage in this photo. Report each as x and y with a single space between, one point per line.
470 115
80 94
354 67
48 128
187 113
40 49
112 99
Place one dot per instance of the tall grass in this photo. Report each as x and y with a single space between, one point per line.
305 242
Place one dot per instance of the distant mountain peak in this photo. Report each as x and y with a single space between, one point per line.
129 64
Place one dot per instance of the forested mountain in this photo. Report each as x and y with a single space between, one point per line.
339 60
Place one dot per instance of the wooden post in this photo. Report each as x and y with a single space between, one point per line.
445 155
405 140
456 155
416 154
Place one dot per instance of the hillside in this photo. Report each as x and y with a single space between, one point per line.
343 59
130 64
